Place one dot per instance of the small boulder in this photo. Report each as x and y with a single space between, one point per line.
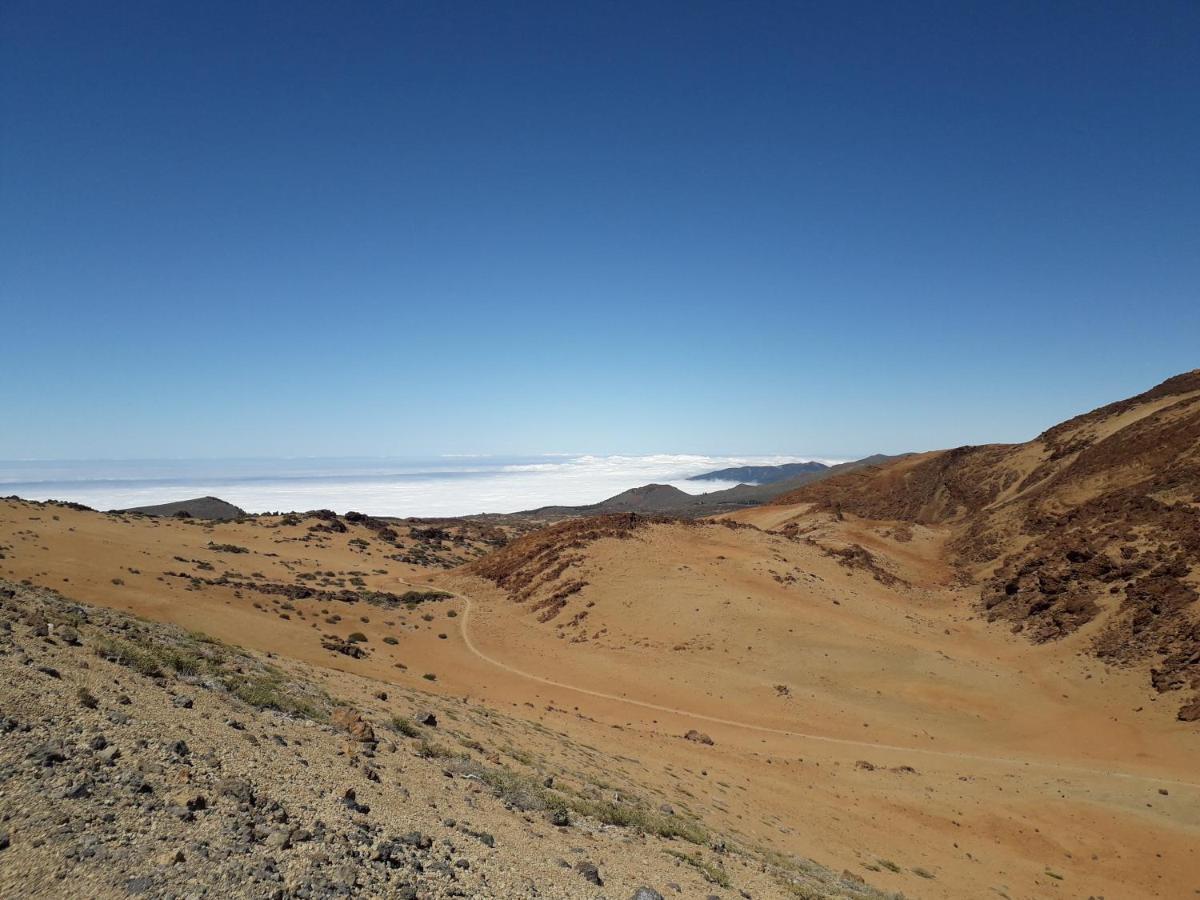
350 801
352 722
279 839
238 789
588 870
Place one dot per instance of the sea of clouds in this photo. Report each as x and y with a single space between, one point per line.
448 486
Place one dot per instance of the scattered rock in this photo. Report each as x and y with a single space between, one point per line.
588 870
352 722
350 801
238 788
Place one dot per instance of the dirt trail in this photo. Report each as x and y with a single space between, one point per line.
465 618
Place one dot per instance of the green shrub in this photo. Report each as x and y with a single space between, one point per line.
711 871
405 727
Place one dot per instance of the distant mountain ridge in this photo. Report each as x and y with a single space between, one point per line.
761 474
665 499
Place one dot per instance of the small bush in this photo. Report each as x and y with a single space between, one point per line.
405 727
711 872
430 750
268 691
126 654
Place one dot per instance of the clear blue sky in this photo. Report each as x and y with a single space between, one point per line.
394 228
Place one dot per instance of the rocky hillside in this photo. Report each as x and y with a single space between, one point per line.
1095 522
538 566
138 759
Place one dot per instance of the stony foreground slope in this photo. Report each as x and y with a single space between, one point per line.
141 760
1093 524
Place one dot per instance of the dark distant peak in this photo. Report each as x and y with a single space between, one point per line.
665 499
761 474
212 508
646 489
649 492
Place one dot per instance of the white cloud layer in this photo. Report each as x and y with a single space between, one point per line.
448 487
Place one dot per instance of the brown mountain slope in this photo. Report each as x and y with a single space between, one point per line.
860 713
1095 522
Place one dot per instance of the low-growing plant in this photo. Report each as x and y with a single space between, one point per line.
429 750
263 687
711 872
405 726
268 690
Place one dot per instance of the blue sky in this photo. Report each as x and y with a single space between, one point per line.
239 229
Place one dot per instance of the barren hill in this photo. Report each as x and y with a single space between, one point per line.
198 508
1094 523
783 702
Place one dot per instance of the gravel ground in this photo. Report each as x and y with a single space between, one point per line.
138 760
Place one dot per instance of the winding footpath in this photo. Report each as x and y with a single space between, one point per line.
465 618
